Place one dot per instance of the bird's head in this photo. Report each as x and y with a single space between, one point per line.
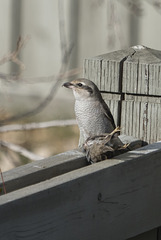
83 89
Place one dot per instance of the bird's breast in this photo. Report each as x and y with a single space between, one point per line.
91 117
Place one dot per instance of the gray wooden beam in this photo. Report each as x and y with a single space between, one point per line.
141 72
136 70
105 69
142 120
113 199
134 76
42 170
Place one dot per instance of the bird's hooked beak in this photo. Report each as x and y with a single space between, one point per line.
68 85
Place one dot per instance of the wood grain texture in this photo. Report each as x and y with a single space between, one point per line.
140 98
92 69
62 198
155 79
107 75
47 168
142 120
114 105
42 170
113 199
134 74
133 70
141 72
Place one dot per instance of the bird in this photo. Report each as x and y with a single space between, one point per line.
92 113
104 146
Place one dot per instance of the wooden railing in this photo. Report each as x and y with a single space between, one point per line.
62 197
131 80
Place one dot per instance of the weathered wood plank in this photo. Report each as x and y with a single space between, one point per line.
134 74
141 120
134 70
113 101
150 235
113 199
141 72
92 69
139 98
114 105
110 75
130 75
155 79
47 168
42 170
107 76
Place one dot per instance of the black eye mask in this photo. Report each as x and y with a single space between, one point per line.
85 87
89 89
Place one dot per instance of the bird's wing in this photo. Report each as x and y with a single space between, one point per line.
108 113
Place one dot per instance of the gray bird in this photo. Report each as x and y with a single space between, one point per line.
92 113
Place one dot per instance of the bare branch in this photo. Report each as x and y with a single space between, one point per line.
66 53
35 80
24 152
50 95
134 6
31 126
156 4
13 56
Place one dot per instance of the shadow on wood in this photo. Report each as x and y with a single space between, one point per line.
117 199
113 199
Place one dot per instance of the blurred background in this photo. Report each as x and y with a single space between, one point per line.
43 44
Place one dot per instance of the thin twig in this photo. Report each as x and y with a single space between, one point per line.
24 152
156 4
13 56
4 188
31 126
49 97
36 80
134 6
66 53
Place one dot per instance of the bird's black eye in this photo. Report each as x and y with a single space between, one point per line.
79 84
